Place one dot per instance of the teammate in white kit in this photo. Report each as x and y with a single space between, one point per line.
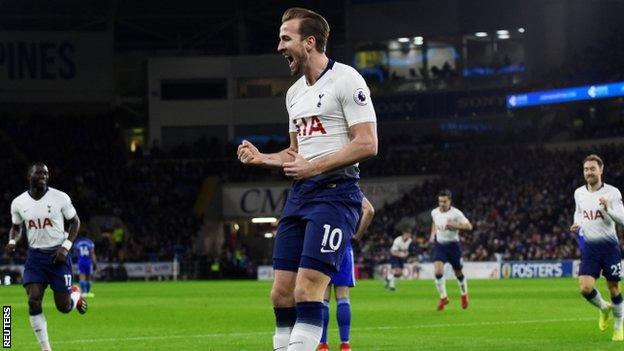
332 127
598 208
398 253
43 210
446 223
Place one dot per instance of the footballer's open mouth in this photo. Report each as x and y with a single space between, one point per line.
291 61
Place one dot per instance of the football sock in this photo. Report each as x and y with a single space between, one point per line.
83 286
463 284
40 327
617 311
440 285
325 320
595 299
88 286
285 318
306 334
343 315
391 280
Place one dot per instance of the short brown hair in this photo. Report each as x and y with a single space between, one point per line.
312 25
594 157
446 193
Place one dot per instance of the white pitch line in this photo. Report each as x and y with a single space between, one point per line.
417 326
478 324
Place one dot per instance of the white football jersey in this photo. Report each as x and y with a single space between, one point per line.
399 245
596 225
43 218
321 114
441 219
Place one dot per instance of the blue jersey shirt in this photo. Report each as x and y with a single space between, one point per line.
83 247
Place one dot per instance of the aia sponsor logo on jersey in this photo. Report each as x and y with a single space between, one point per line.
39 223
307 126
593 215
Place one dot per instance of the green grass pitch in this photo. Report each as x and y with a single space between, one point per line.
547 314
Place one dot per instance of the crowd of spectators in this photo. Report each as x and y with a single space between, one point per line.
518 195
519 199
143 207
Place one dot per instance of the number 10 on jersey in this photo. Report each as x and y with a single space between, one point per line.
331 238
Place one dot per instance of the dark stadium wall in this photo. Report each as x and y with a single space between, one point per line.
183 115
558 30
401 18
591 22
55 67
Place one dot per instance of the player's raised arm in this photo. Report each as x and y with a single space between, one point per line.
368 211
614 208
250 155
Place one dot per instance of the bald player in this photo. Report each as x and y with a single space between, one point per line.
42 210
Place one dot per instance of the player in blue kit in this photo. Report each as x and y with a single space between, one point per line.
43 210
84 249
342 281
332 127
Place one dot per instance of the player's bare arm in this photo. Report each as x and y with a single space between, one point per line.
62 251
249 154
400 254
363 145
459 226
15 234
433 232
368 211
